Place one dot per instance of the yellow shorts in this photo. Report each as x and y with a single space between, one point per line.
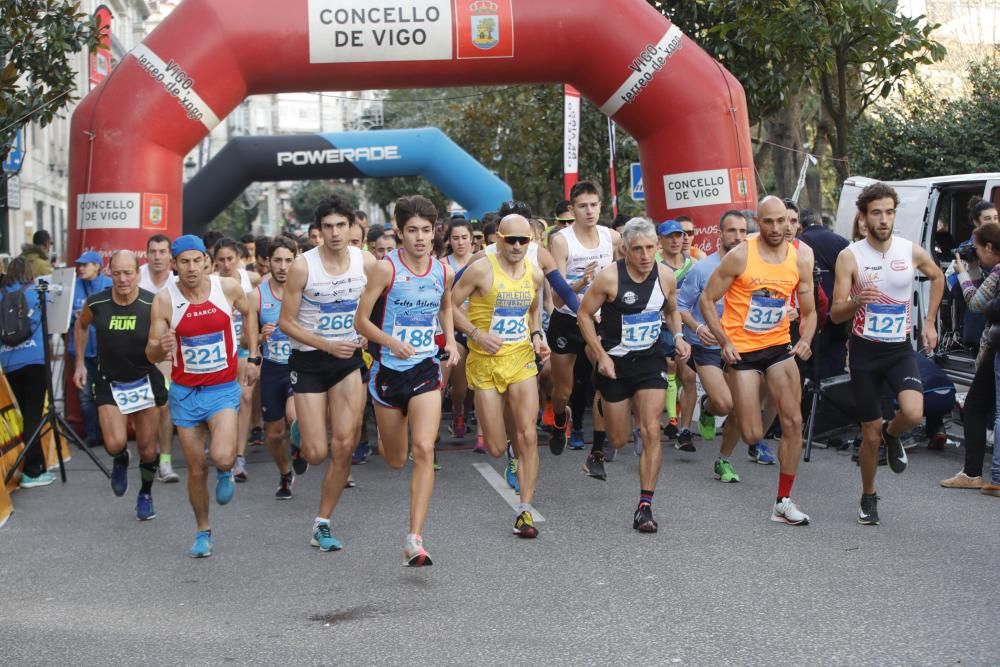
484 371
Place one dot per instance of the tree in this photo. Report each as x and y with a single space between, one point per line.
892 142
514 131
810 68
236 220
308 194
37 78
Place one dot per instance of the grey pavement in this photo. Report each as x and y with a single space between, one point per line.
720 584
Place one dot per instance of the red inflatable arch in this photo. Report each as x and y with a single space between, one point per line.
130 135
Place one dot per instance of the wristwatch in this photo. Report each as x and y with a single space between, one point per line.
254 360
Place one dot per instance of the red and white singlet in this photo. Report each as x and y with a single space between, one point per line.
206 338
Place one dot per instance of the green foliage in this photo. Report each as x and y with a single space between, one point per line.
37 41
930 134
236 220
308 194
514 131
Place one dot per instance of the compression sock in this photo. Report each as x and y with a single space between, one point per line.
166 458
671 401
147 471
785 483
600 437
645 497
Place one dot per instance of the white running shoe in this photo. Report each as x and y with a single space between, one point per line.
788 512
166 474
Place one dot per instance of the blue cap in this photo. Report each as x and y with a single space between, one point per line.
187 242
669 227
90 257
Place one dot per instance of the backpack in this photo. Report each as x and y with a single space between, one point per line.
15 317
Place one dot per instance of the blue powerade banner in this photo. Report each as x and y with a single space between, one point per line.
423 152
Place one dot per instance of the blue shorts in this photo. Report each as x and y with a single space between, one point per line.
193 406
275 390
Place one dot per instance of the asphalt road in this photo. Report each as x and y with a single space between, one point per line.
85 583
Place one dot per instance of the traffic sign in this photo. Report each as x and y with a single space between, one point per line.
16 155
638 191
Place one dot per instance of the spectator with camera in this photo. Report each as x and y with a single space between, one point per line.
980 402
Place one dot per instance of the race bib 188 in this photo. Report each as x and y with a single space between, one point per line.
417 331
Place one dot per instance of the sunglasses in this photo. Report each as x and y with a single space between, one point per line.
515 240
688 232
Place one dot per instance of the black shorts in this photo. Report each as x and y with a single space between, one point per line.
564 334
275 388
635 372
761 360
104 396
394 389
876 365
462 339
316 372
705 356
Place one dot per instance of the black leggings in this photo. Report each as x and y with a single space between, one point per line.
28 385
977 415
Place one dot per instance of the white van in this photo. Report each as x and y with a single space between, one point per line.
924 203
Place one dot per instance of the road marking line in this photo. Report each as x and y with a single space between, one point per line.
499 485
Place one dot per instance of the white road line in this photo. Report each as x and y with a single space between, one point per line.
499 485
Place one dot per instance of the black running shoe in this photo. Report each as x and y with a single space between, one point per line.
894 450
284 491
670 430
868 515
643 519
299 463
594 466
685 441
557 439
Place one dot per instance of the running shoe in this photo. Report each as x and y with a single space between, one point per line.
165 473
594 466
224 487
299 463
144 507
240 469
256 438
361 453
962 481
43 479
706 422
643 521
414 554
637 443
510 474
670 430
761 453
202 547
576 441
990 489
322 538
524 525
350 483
437 466
457 427
724 471
868 514
284 491
894 450
788 512
480 447
685 441
119 473
557 436
610 453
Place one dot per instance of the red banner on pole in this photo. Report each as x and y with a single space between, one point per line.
100 58
571 138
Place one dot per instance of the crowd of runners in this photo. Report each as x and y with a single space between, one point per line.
520 324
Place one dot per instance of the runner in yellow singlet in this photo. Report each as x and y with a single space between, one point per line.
503 328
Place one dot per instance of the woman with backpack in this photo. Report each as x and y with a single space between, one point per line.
24 364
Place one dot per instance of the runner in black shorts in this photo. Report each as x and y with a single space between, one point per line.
317 313
874 289
632 295
276 404
127 383
757 280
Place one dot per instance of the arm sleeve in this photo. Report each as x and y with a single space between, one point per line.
563 289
